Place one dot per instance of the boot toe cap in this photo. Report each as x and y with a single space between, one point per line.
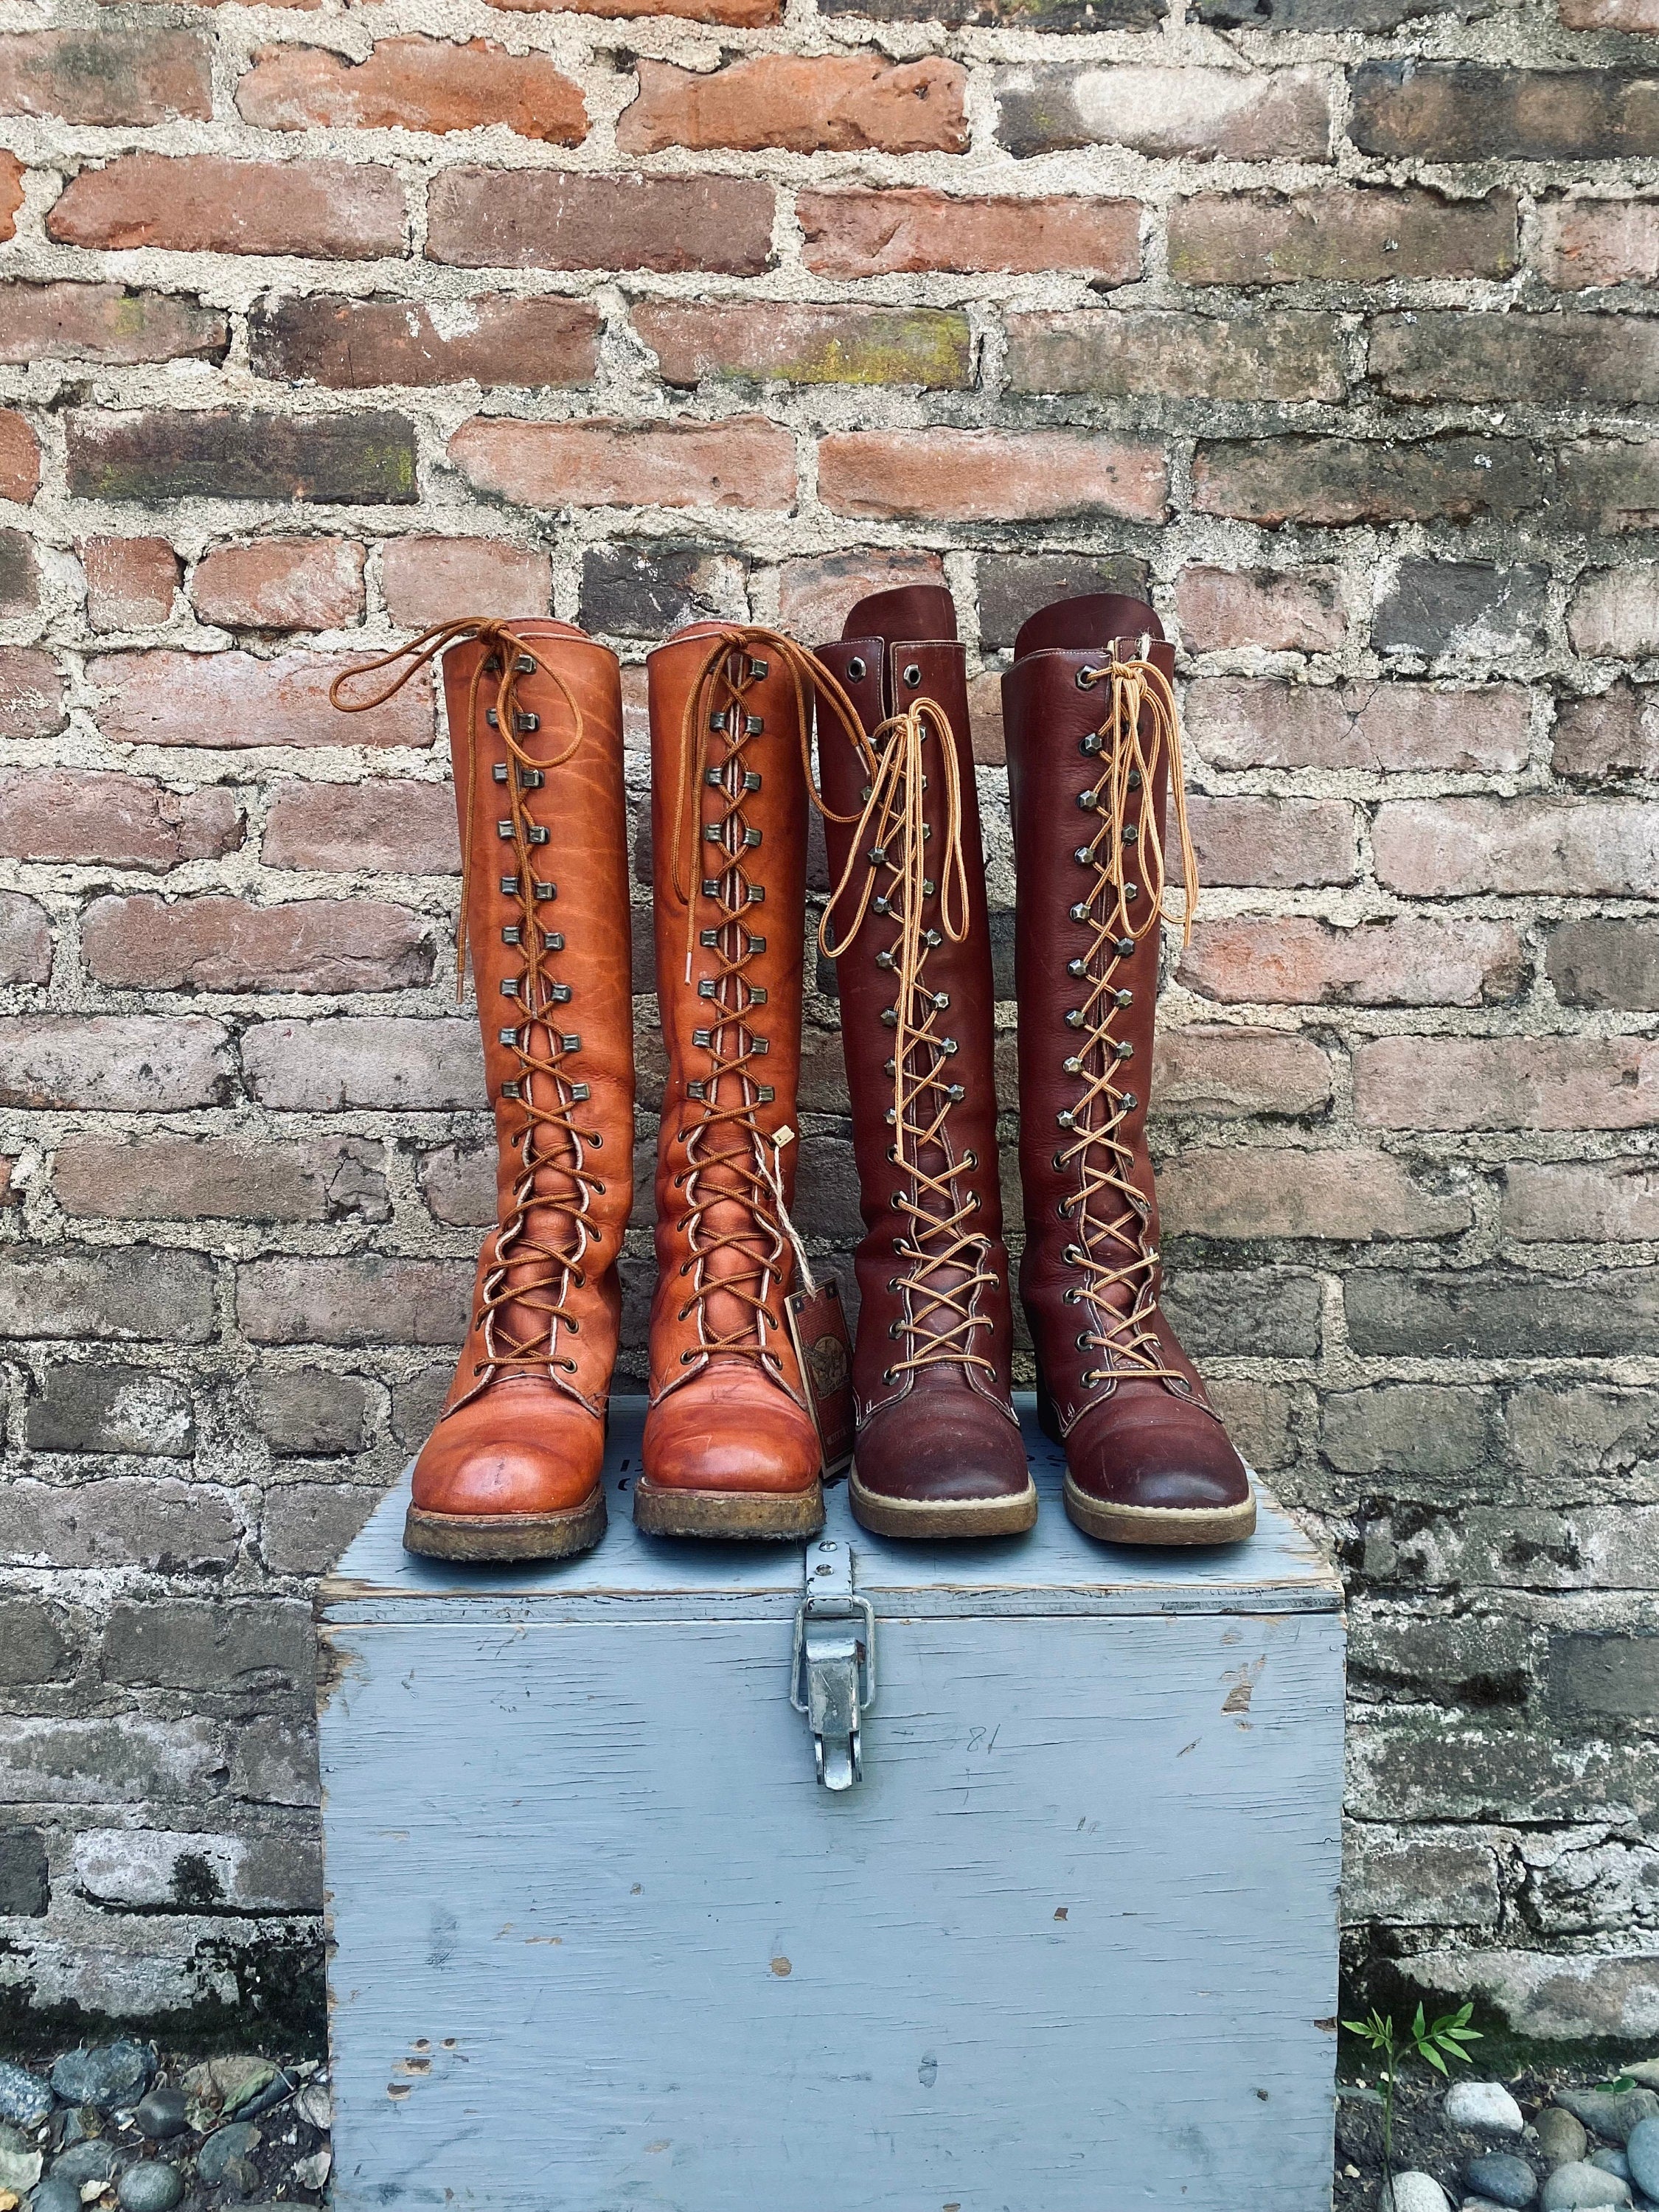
1167 1457
942 1447
522 1447
731 1430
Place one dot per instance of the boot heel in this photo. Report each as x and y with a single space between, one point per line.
1047 1418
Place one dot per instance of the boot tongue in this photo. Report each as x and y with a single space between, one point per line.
1086 624
915 614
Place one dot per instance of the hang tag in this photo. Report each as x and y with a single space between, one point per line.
817 1328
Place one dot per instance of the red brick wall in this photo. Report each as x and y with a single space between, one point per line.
1326 319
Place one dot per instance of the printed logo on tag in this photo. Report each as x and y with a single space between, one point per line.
817 1326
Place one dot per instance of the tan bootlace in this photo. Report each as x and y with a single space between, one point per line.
532 1274
1112 1250
727 1150
890 842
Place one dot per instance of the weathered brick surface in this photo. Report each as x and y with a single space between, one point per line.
1325 326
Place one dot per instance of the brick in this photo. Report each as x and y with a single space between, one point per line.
911 230
1463 611
35 1643
1276 842
1608 14
413 84
1345 234
274 1760
1329 15
308 1412
1257 1416
1223 609
1604 486
1560 360
458 1185
119 1521
280 583
363 1300
305 1527
377 1061
1407 1428
991 476
1053 16
105 323
1419 1882
160 1178
648 590
1614 734
153 457
1605 964
108 76
19 574
1583 242
1615 611
25 941
1590 1202
1507 1083
1241 722
1497 1315
394 829
424 580
31 694
1351 1196
816 594
1407 960
417 1402
805 104
554 219
92 1408
1121 354
1477 1659
124 821
127 1294
1460 846
232 700
158 1870
12 173
120 1063
221 944
1223 114
123 1761
130 582
1482 112
743 461
1609 1676
1206 1069
779 341
185 1644
1254 1314
1576 1431
1341 480
1013 586
352 344
202 203
20 458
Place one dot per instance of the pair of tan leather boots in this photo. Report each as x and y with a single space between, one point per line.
733 1444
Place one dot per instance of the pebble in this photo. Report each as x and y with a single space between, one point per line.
1645 2071
239 2141
151 2186
1415 2192
24 2097
1484 2107
1581 2187
1480 2204
314 2105
92 2161
1610 2114
55 2195
229 2083
312 2173
113 2074
19 2162
161 2114
1561 2138
1502 2177
1612 2162
1642 2149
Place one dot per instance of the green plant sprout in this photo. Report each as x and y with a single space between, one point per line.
1433 2041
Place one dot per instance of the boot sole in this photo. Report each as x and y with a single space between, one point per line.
952 1519
741 1515
480 1537
1159 1524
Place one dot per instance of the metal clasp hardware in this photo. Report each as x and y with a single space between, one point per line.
832 1675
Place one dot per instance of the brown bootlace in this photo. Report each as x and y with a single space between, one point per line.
531 1273
727 1150
890 840
1110 1213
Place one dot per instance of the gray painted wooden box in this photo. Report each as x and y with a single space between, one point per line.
601 1940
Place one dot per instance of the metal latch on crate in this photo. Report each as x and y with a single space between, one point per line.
832 1677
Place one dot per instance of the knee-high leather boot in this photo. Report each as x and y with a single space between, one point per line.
731 1447
1093 744
939 1451
512 1471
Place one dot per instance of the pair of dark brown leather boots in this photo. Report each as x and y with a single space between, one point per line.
732 1447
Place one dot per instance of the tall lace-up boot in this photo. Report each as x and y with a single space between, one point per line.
939 1451
1094 756
512 1471
731 1446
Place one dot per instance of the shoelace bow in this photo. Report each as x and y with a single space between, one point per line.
736 1169
1111 1247
891 839
532 1274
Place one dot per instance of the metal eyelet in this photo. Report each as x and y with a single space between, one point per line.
894 1328
686 1357
596 1139
855 670
913 676
890 1374
1087 677
970 1160
1082 1343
